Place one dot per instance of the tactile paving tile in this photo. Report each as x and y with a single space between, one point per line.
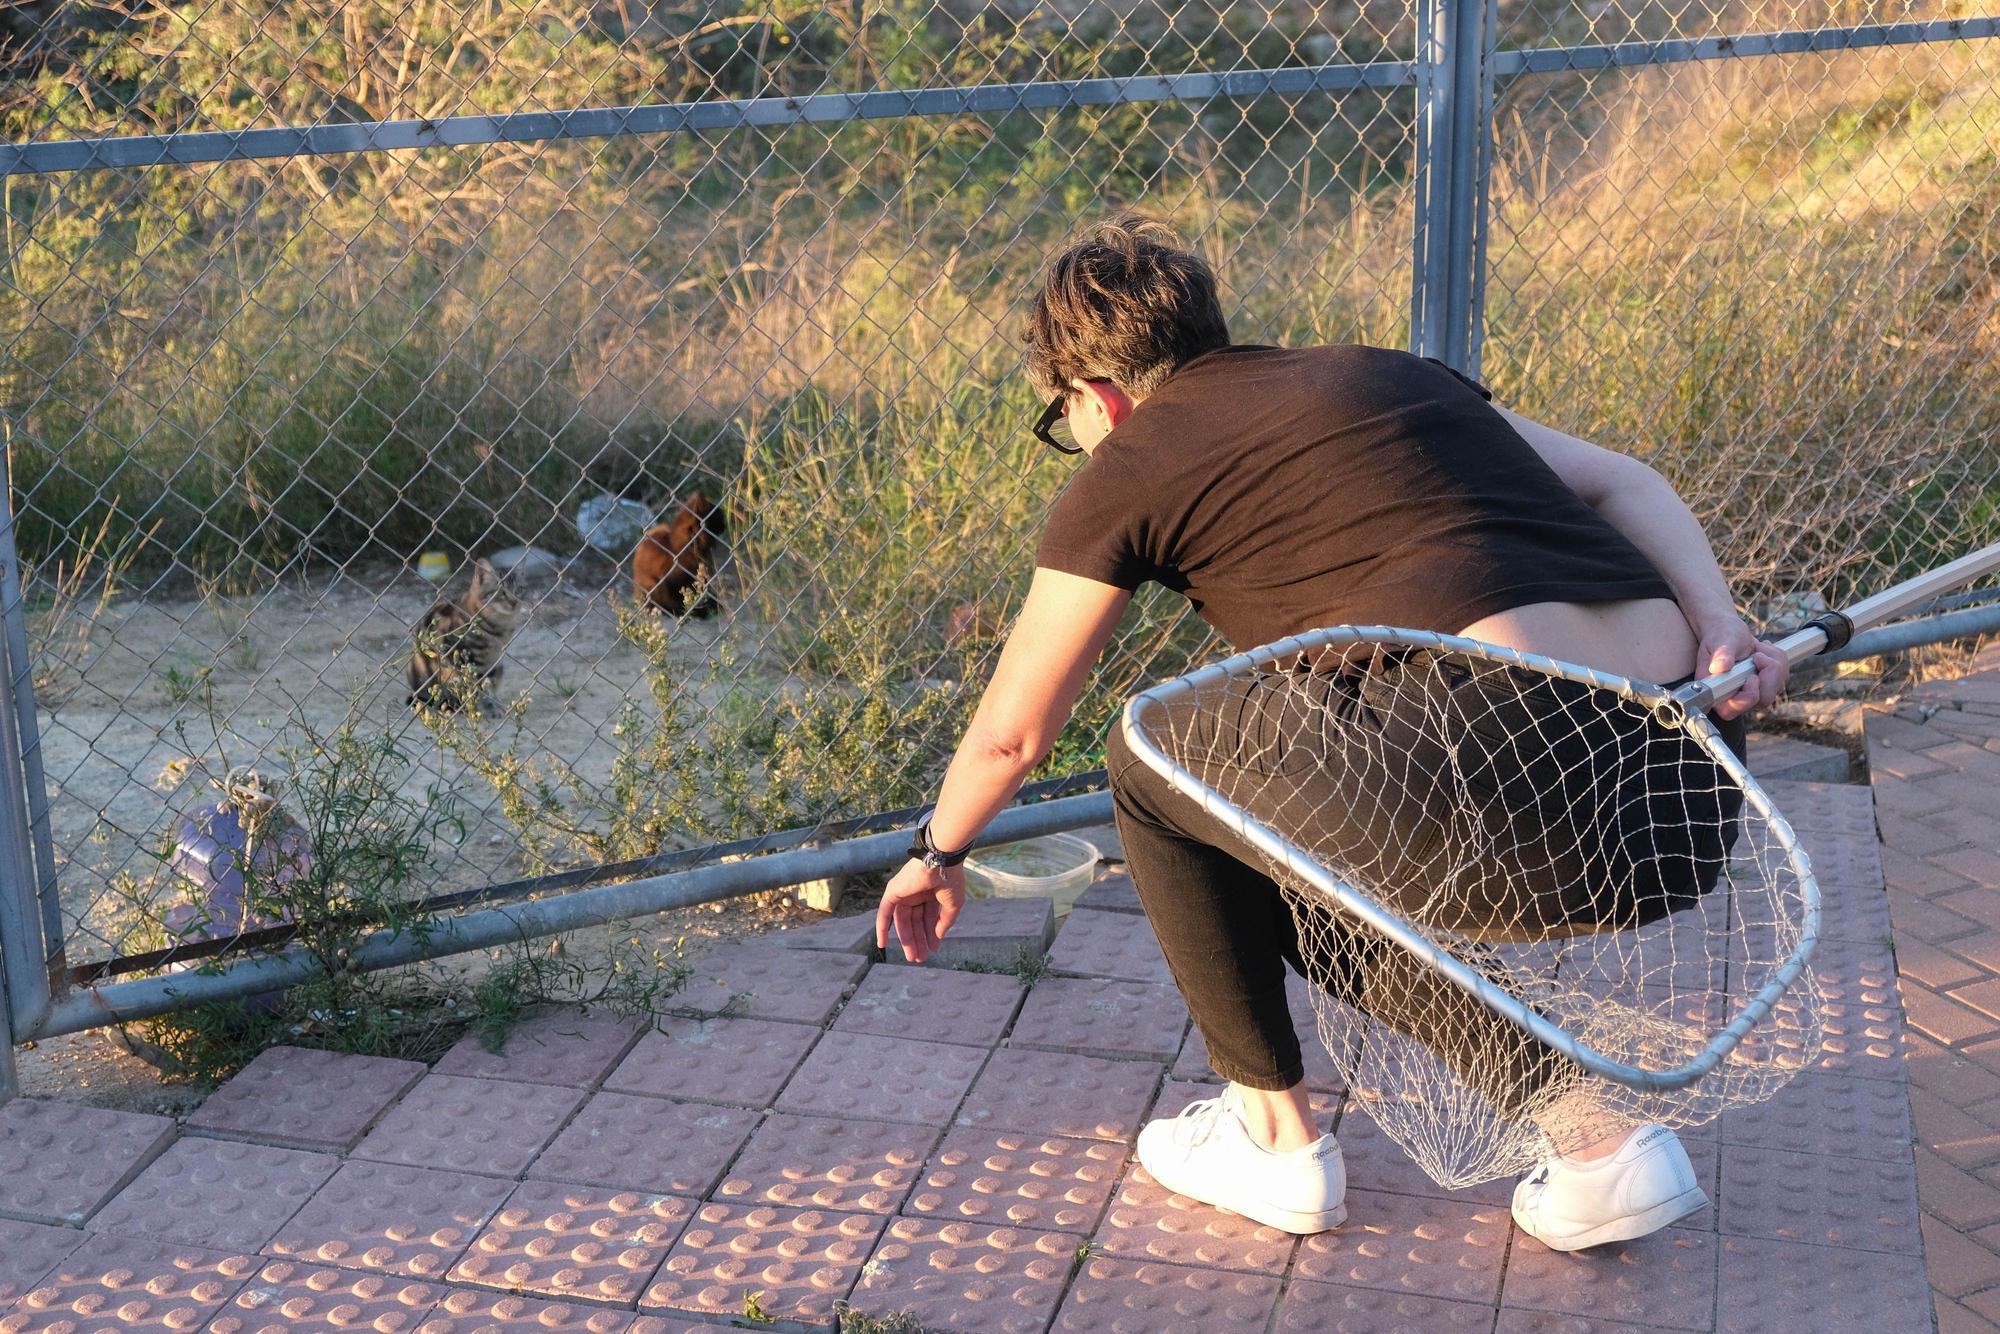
1854 912
1330 1308
646 1144
1819 1199
123 1283
1405 1243
1018 1179
1122 1297
1767 1285
209 1192
303 1098
1107 944
59 1161
302 1298
652 1324
965 1276
1111 893
28 1251
1085 1096
1855 972
1844 865
801 1260
1376 1162
760 982
1859 1035
743 1061
854 934
1820 1113
1844 862
1096 1016
1846 809
992 933
496 1126
568 1047
1676 951
1514 1321
471 1311
1666 1279
1146 1221
815 1162
895 1079
580 1243
941 1005
390 1219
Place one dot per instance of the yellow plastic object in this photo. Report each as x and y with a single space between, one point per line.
434 566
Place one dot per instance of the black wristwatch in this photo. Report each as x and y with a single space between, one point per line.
927 852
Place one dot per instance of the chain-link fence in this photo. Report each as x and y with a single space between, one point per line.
298 294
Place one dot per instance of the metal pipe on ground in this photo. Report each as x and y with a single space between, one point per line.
92 1007
1914 634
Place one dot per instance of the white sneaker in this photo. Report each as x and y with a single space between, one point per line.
1207 1154
1647 1184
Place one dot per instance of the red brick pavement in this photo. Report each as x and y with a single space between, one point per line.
1934 758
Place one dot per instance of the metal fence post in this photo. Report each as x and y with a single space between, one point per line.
1455 40
25 909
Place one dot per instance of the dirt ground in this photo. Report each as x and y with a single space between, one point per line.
120 708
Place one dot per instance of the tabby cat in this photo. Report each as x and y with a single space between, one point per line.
459 641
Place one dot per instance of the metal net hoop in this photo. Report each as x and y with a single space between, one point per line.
1533 900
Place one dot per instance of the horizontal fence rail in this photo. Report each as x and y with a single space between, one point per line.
148 150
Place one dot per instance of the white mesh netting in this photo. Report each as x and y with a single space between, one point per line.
1575 840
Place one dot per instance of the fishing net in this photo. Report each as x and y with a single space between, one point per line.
1536 902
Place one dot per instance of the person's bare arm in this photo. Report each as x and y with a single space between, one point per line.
1058 637
1643 505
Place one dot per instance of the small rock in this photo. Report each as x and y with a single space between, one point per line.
526 563
613 525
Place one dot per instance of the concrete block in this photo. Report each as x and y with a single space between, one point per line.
303 1098
59 1162
991 933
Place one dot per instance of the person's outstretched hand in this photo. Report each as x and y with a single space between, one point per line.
921 904
1725 645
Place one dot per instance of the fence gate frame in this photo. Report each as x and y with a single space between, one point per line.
30 912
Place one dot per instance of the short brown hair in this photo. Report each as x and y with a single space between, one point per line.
1126 302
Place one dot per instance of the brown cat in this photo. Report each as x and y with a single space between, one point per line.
459 642
678 555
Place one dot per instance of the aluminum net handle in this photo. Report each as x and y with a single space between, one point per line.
1830 631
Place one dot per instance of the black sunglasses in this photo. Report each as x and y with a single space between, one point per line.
1052 427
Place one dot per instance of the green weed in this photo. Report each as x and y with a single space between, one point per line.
371 838
181 686
852 1321
1031 966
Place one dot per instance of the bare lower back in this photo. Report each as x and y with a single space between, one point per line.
1645 638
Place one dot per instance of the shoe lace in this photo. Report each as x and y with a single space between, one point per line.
1198 1120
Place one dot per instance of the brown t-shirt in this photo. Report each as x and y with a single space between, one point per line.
1286 489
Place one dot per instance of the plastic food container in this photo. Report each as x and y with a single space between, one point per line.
1054 866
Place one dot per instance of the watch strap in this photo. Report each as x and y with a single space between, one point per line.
925 849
